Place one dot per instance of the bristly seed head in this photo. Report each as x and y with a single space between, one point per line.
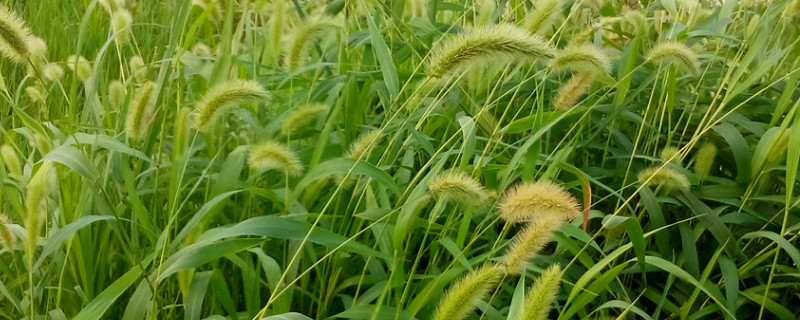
136 121
460 299
121 22
224 96
582 58
528 243
675 53
704 160
666 177
538 201
271 155
301 116
496 42
459 187
671 154
540 297
81 66
14 36
363 145
571 92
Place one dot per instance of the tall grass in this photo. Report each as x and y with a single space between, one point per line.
281 159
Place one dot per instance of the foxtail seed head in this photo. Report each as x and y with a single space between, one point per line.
571 92
81 66
460 299
36 204
538 201
224 96
6 238
121 22
301 116
136 121
675 53
52 72
271 155
544 291
138 68
494 42
363 145
309 32
704 160
582 58
11 161
528 243
112 5
666 177
116 94
14 36
544 12
458 187
671 154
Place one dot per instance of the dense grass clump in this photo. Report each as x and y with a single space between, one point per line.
410 159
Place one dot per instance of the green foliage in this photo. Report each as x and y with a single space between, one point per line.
280 159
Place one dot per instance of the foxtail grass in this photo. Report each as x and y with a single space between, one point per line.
675 53
224 96
539 299
301 116
363 145
542 16
273 155
538 201
136 120
459 301
457 187
309 32
582 58
494 43
14 36
36 194
528 243
704 160
571 92
665 177
11 161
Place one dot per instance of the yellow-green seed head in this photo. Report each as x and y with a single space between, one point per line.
539 299
138 111
11 161
81 67
7 239
14 36
495 43
459 301
201 50
571 92
363 145
704 160
273 155
116 94
665 177
312 30
52 72
112 5
541 18
458 187
528 243
581 58
36 196
671 154
36 95
538 201
675 53
224 96
302 116
121 22
138 69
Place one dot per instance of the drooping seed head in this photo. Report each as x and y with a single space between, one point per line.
273 155
138 111
302 116
671 154
458 187
704 160
121 22
11 161
81 67
311 31
528 243
665 177
6 237
14 36
540 297
459 301
363 145
201 50
52 72
116 94
503 42
538 201
36 94
581 58
542 16
675 53
571 92
224 96
138 69
36 195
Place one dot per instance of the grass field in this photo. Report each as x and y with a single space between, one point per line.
404 159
